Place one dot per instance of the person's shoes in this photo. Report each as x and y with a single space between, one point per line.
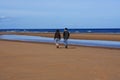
66 46
57 46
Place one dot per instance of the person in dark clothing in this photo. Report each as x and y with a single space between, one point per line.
57 38
66 36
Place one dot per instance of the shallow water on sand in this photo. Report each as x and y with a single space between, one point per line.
95 43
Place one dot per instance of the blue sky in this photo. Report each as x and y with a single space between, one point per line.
59 14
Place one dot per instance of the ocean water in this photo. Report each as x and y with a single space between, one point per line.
95 43
112 30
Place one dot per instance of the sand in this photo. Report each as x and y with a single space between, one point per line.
36 61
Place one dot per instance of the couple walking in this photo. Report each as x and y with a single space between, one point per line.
57 37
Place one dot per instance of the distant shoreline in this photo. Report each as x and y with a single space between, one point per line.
97 30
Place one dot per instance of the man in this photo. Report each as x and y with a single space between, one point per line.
66 36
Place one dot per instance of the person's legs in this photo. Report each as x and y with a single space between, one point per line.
66 43
57 42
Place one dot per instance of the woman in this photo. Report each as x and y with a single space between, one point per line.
57 38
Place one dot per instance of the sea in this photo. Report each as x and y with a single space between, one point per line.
111 30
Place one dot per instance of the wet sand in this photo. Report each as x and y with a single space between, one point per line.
86 36
36 61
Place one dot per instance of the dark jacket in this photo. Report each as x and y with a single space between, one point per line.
66 35
57 35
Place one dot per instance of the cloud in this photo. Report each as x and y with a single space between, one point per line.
4 19
2 16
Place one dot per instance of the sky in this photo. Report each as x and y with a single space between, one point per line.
41 14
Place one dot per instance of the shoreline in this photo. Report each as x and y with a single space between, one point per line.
61 45
85 36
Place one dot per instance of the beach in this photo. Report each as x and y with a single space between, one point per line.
59 40
38 61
